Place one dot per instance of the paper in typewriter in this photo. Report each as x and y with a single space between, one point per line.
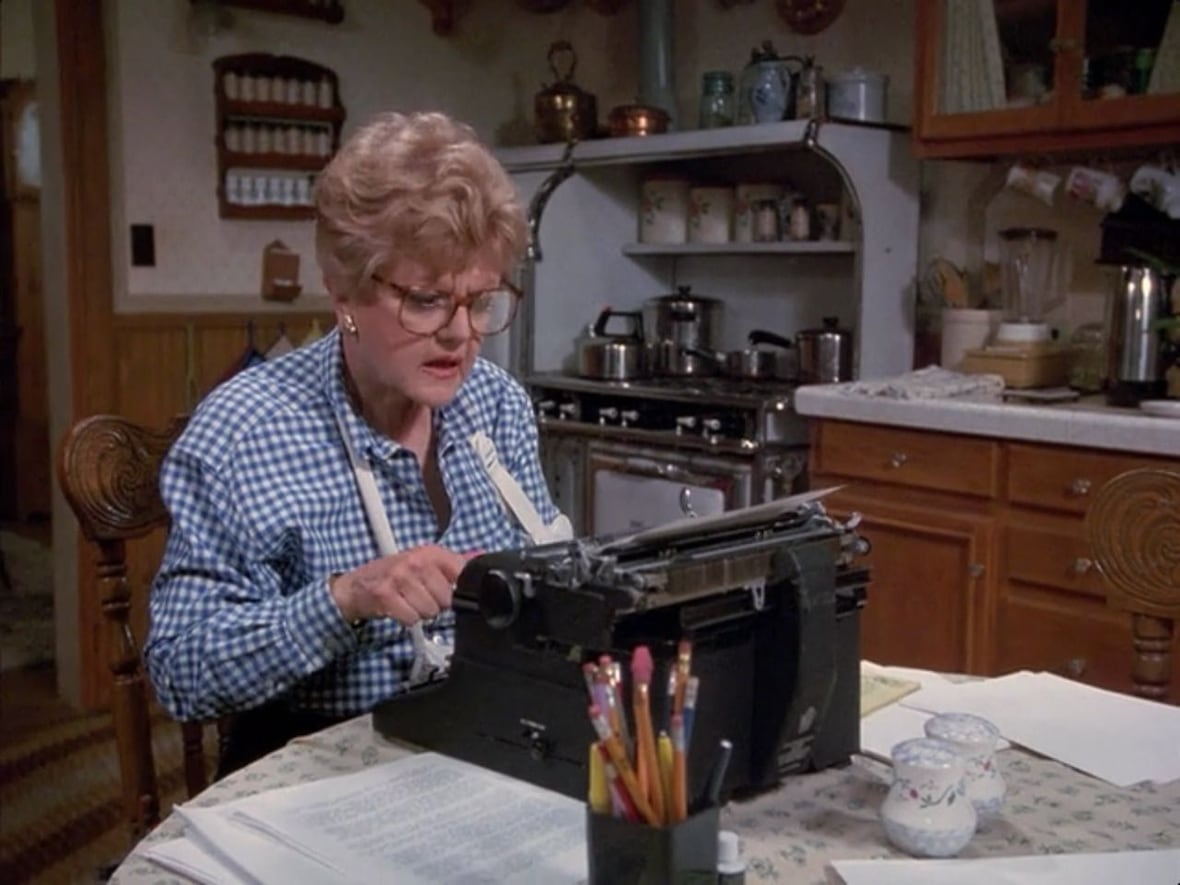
691 526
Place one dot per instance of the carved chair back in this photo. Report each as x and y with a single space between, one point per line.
1134 531
109 472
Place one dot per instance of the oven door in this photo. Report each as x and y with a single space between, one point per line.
631 487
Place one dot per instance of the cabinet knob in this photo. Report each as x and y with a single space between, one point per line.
1082 564
1079 488
897 459
975 570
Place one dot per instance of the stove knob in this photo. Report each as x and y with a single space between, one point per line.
567 411
686 422
711 430
628 417
610 413
546 409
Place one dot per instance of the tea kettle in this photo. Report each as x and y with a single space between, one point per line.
564 111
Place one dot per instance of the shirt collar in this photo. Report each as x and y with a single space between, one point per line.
453 423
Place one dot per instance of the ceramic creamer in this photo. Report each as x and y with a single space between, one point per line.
976 739
927 812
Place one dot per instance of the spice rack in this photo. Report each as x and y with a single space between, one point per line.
278 124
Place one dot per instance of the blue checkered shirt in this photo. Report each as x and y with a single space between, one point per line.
265 508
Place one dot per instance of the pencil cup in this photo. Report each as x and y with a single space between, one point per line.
622 852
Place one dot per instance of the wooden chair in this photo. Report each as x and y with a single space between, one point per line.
1134 531
109 471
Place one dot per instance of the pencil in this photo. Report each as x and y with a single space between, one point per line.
646 761
599 790
623 765
679 775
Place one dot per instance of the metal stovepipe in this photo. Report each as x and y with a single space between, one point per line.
524 333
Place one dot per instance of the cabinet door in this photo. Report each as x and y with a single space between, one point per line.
929 571
985 67
1123 70
1013 76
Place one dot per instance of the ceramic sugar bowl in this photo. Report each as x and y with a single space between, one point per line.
927 812
976 739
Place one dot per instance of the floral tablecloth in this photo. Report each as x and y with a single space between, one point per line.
790 834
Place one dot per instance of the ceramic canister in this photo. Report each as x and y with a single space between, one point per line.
710 214
663 215
746 195
976 739
927 812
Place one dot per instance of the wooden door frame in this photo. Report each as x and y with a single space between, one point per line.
82 77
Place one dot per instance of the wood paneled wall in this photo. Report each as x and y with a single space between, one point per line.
165 363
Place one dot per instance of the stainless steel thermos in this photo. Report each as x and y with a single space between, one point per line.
1136 353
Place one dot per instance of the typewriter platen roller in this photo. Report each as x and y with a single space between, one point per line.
770 597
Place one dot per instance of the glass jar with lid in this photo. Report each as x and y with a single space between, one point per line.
718 102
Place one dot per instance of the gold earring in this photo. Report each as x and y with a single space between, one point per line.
350 325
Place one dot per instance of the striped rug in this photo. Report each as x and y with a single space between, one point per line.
61 819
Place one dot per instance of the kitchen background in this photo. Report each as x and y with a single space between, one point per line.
163 161
486 72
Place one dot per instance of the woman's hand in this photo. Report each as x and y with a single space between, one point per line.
409 587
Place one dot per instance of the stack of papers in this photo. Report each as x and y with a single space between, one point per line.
425 818
1119 738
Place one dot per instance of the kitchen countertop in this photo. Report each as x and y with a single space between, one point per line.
1086 422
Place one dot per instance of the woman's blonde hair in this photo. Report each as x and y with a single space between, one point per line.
417 186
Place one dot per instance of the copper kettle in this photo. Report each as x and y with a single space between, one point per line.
564 111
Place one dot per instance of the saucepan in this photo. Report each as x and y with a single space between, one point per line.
757 362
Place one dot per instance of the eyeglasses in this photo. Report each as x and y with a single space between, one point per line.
424 312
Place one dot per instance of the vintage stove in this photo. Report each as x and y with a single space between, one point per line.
625 455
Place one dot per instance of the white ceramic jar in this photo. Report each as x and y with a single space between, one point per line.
927 812
976 738
663 210
710 215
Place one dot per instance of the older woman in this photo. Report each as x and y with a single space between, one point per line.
324 503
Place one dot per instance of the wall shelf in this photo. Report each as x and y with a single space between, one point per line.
304 162
330 11
281 112
278 119
691 144
802 247
268 212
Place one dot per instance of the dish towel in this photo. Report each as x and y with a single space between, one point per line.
932 382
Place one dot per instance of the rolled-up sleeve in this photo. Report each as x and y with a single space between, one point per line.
228 630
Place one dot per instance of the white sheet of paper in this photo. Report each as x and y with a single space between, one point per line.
184 856
1161 867
1122 739
883 729
427 818
691 525
253 855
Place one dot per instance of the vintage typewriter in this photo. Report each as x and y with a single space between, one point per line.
770 597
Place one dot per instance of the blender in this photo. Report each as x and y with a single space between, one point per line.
1022 350
1029 260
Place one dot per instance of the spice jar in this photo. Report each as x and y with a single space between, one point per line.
718 103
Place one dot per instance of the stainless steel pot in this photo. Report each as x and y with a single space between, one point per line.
679 324
753 363
613 356
825 354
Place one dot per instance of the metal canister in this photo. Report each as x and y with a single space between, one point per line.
809 91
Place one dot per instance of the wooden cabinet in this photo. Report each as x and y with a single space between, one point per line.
980 562
924 499
278 123
1024 76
